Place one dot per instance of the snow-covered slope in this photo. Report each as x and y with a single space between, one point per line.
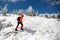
35 28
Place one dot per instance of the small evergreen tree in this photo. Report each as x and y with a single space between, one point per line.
58 16
53 16
46 16
4 11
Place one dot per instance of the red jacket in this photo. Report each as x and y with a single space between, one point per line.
21 18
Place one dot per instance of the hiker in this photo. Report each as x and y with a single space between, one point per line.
19 20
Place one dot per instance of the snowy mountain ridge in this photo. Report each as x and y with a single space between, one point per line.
35 28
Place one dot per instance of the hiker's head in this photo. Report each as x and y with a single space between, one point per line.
21 13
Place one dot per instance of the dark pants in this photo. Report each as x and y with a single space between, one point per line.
18 25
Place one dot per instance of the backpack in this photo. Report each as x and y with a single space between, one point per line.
18 19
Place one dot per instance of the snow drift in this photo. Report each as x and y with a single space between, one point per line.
35 28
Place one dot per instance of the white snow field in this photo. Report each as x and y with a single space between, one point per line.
35 28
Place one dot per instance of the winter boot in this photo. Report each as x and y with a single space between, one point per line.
22 28
16 28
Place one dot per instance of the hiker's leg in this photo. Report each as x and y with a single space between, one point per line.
21 26
17 25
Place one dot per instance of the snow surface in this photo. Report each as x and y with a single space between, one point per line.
35 28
